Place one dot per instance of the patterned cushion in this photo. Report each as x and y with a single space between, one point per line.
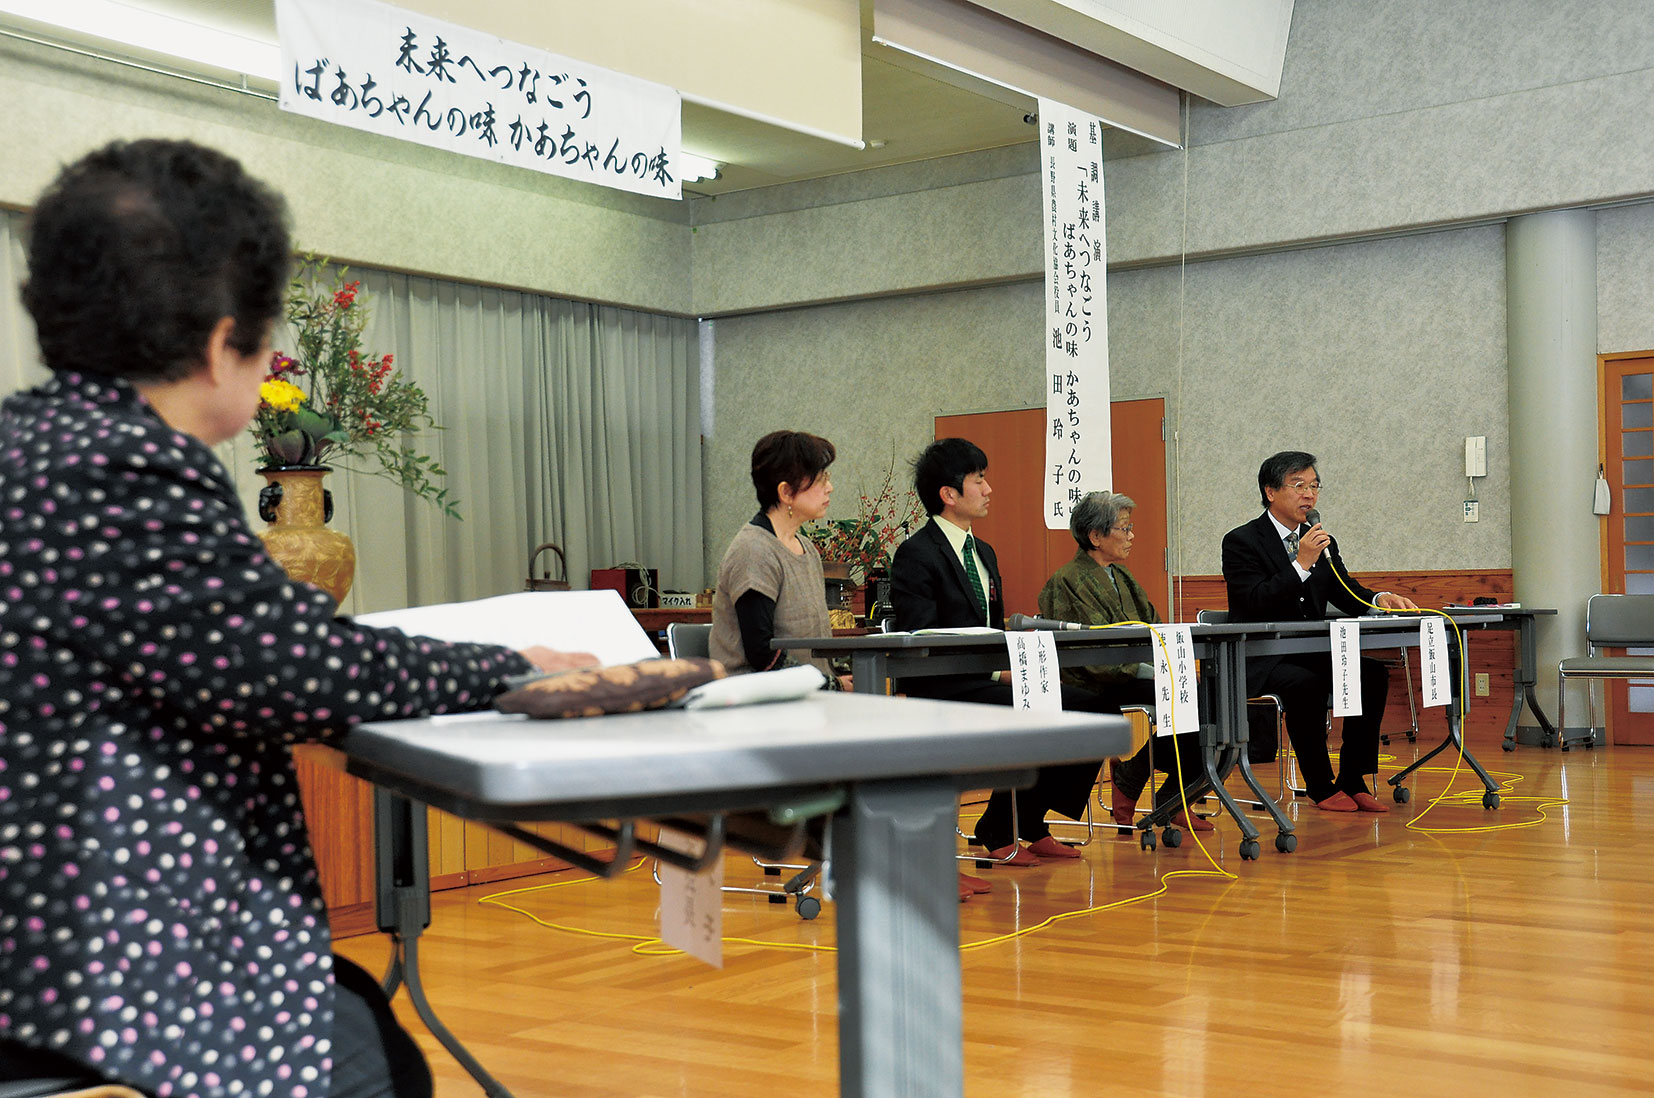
625 688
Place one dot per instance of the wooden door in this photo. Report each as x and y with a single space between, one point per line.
1028 553
1627 433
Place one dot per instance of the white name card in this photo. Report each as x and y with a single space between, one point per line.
1346 668
1035 683
1434 671
1176 706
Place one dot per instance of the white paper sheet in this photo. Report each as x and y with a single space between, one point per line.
569 621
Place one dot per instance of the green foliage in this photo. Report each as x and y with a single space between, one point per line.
331 401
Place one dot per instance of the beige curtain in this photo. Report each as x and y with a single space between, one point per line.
562 421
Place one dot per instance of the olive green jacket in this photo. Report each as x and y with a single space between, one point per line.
1081 591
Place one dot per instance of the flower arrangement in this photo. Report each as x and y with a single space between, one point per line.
867 541
332 400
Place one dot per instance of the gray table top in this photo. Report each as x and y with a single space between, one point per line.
490 766
1130 634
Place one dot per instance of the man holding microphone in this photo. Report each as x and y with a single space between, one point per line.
1283 566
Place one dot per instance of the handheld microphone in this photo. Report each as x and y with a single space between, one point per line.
1023 621
1311 519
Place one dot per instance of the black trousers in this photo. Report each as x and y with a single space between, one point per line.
373 1056
1181 764
1304 685
1061 789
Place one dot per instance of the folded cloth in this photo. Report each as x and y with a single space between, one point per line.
623 688
788 684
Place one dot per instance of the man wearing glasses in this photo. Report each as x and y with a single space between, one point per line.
1283 567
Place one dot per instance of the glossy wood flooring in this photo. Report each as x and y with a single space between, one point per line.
1374 960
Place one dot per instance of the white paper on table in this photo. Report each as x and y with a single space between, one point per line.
1176 701
1346 668
692 904
1035 686
598 622
1434 669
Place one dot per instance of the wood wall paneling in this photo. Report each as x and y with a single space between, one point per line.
1491 653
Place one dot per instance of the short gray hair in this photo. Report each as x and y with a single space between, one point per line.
1096 513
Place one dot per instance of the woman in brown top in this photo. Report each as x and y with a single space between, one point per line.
770 583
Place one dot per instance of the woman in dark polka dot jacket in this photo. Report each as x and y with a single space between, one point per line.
161 924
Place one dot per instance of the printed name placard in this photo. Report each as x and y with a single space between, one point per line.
1176 704
1078 452
1434 669
1035 682
1346 668
402 74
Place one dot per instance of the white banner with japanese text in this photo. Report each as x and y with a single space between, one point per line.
1034 676
1176 705
390 71
1433 666
1078 453
1346 668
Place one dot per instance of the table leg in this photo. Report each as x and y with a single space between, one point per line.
1455 738
901 1031
402 905
867 670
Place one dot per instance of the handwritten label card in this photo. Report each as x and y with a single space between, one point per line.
1034 678
1176 706
1433 665
692 904
1346 668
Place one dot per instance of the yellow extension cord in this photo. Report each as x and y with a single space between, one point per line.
652 946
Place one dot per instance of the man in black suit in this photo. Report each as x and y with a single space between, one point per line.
1282 567
943 577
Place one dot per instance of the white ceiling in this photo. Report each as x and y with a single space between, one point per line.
911 110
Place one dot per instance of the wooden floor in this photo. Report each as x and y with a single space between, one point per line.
1374 960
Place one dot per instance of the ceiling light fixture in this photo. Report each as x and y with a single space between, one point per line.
153 32
692 167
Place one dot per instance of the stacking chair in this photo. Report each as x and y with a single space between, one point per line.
1611 621
693 641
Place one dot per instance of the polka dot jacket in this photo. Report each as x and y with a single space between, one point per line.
160 916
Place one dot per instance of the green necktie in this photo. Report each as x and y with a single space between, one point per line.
976 580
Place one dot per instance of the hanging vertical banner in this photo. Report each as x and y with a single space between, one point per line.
1346 668
1433 666
1175 706
1034 676
1078 454
389 71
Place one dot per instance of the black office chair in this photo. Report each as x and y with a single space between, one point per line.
694 640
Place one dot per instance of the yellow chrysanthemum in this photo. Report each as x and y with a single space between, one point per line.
283 396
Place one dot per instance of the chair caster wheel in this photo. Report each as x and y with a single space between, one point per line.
1173 837
1508 746
808 907
1401 794
1249 849
1287 843
1147 840
1490 799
